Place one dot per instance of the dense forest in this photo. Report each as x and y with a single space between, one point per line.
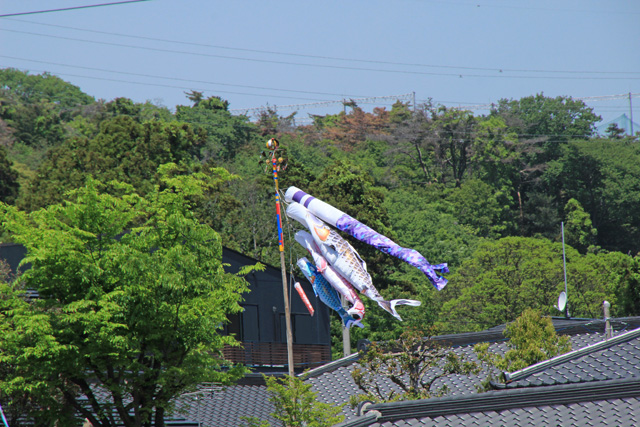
485 194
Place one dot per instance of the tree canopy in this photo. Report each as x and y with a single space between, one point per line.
132 300
459 187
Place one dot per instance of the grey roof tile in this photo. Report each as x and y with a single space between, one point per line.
591 363
334 385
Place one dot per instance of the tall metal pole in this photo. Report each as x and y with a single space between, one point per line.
564 262
272 145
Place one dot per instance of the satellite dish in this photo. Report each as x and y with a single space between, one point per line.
562 301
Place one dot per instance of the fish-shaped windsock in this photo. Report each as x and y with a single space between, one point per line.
335 280
355 228
325 292
344 258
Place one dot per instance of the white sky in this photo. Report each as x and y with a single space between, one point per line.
278 53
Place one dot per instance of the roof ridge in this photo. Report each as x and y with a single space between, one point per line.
504 400
344 361
557 360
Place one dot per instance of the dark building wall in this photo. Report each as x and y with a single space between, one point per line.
12 254
264 306
261 326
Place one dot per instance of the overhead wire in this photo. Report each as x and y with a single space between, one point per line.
325 57
178 87
128 73
325 66
64 9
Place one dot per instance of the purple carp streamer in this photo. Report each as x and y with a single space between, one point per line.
384 244
360 231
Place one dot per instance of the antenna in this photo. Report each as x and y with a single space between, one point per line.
564 294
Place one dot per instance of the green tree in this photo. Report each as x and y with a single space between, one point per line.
410 139
452 138
124 150
579 231
225 134
8 179
613 131
482 208
296 405
35 88
531 339
133 299
502 279
407 368
18 394
505 277
555 120
604 176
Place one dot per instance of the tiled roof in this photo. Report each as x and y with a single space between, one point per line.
617 357
225 407
612 402
334 385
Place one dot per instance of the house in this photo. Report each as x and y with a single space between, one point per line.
262 332
261 325
598 383
595 384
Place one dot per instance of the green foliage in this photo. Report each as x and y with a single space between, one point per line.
603 175
424 220
8 179
133 298
36 124
225 134
579 232
509 275
407 368
532 339
296 405
44 87
124 150
555 120
480 207
453 140
613 131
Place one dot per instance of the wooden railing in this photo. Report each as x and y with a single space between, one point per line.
275 354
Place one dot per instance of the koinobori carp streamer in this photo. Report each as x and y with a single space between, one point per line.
360 231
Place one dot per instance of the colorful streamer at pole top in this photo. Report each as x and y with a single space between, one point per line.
277 164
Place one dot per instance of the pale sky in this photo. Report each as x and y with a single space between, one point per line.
283 53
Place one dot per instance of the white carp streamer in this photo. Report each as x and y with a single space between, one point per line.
360 231
340 255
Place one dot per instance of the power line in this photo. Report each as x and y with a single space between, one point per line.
171 78
477 107
174 86
338 67
333 58
367 100
71 8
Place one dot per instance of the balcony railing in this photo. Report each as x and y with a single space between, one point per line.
273 354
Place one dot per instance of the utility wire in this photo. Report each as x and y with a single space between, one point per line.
70 8
333 58
171 78
178 87
327 103
326 66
